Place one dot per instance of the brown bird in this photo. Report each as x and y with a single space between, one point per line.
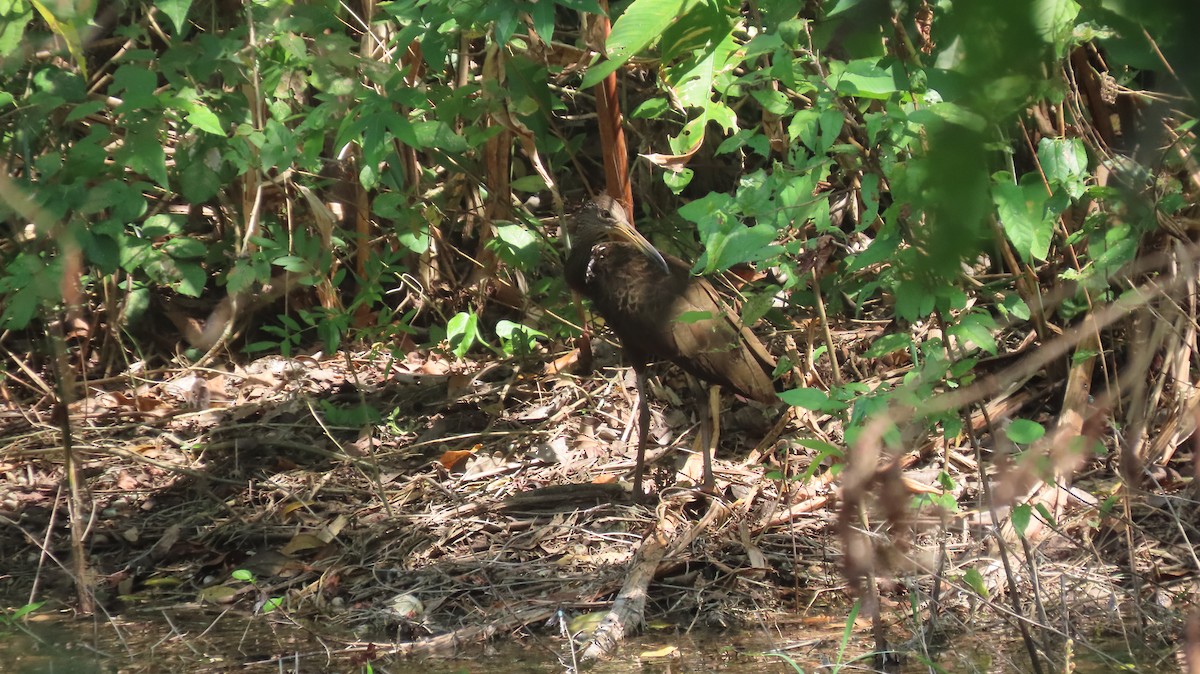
643 295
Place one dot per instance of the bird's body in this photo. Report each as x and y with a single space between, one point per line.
644 306
659 311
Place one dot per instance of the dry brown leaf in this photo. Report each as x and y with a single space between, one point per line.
455 459
675 163
301 542
564 363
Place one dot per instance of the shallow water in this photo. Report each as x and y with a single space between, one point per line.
199 639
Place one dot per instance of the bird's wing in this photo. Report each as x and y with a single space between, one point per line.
718 347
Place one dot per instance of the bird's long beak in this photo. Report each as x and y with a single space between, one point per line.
627 232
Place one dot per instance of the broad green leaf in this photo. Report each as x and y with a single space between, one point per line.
517 339
977 328
812 399
1054 21
517 245
651 108
143 152
241 277
102 250
864 78
1064 161
293 263
889 343
67 27
1024 431
350 416
643 22
136 83
205 119
701 26
462 332
823 448
542 14
19 308
975 581
596 73
1014 306
690 317
529 183
192 279
1020 515
1022 210
14 16
434 134
176 11
185 249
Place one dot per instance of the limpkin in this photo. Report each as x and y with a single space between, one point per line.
643 295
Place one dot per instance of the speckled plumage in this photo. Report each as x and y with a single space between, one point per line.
642 303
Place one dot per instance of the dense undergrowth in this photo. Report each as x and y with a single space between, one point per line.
967 228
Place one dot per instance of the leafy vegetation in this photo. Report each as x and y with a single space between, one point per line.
1004 191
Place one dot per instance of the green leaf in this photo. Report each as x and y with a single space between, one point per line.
812 399
436 135
975 581
890 343
193 278
204 119
977 328
1045 514
598 72
176 11
1065 163
822 448
462 332
102 250
243 575
1014 306
690 317
14 16
1020 516
641 24
516 245
293 263
758 304
727 241
137 83
241 277
143 152
24 611
1024 431
20 307
529 183
817 130
517 339
185 249
350 416
542 14
651 108
864 78
1023 213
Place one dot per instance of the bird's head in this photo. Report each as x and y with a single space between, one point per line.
604 219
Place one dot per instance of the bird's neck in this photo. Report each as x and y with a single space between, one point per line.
578 258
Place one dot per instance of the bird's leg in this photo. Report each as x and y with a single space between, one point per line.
643 431
584 343
710 436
